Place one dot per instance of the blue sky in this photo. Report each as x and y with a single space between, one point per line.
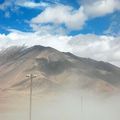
16 15
86 28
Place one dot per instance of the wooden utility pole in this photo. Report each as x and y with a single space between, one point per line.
31 76
81 104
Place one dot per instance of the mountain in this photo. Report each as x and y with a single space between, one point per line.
55 70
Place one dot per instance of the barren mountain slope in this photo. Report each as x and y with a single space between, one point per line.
55 69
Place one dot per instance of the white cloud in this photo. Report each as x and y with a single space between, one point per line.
96 8
61 14
5 4
114 27
105 48
30 4
97 47
75 18
7 14
30 39
9 6
51 29
22 3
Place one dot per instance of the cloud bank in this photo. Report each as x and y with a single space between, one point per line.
98 47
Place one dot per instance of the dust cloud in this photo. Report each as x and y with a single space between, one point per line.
65 106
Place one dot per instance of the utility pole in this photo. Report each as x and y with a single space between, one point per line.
31 76
81 104
82 107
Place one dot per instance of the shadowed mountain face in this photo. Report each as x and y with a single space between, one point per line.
55 69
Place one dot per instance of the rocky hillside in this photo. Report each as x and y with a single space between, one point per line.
55 70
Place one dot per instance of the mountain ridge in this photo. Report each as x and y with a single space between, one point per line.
59 69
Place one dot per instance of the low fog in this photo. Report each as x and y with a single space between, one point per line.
65 106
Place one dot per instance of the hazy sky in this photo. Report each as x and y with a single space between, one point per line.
87 28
